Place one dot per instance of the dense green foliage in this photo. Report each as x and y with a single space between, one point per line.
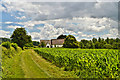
61 37
11 51
20 37
86 63
11 61
4 40
6 44
100 43
36 43
11 64
70 42
14 45
42 44
29 45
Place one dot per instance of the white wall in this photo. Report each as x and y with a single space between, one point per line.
48 45
53 46
59 45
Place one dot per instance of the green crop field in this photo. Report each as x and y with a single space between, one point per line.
86 63
59 63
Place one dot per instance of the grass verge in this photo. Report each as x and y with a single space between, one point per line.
51 69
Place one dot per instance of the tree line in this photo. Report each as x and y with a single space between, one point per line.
100 43
20 37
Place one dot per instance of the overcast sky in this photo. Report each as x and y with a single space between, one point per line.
48 20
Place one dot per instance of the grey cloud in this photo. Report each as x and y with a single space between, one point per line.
78 9
56 10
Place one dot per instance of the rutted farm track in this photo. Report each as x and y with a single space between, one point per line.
34 66
30 67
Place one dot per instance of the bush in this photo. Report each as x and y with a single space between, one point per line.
39 45
9 53
116 45
35 43
35 46
43 44
14 45
6 44
108 46
29 45
81 45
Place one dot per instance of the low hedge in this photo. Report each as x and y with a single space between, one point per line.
6 44
9 50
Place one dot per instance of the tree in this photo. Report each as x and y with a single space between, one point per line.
84 42
88 45
92 45
61 37
111 41
20 37
99 39
81 45
102 43
102 39
116 45
43 44
107 40
36 43
94 40
97 45
70 42
117 40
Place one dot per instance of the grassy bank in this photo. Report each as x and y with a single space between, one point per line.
11 62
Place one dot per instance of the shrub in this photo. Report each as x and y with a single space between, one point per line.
116 45
6 44
81 45
14 45
9 53
108 46
35 43
39 45
43 44
29 45
35 46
